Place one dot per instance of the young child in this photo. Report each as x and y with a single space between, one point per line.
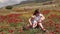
36 19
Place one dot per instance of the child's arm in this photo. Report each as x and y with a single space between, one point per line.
30 19
42 17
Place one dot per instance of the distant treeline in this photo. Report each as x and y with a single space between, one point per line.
34 1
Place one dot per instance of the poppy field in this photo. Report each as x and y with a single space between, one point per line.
13 23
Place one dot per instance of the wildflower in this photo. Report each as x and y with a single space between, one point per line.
56 26
2 32
10 31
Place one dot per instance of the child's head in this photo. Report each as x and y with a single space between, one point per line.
36 12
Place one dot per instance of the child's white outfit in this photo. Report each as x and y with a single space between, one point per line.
36 20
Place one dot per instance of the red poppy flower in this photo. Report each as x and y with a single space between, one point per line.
2 17
20 31
56 30
18 20
53 15
45 11
14 15
50 22
9 21
2 32
47 24
56 26
10 31
1 20
49 17
52 33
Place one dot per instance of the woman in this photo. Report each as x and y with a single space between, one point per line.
36 19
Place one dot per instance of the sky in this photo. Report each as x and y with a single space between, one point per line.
9 2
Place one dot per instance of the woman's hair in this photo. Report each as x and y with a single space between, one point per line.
36 12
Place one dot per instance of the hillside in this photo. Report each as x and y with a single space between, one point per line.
34 1
15 19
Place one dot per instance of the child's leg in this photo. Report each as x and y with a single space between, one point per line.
40 24
34 24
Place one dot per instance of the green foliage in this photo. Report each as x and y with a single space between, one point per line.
19 24
12 24
8 7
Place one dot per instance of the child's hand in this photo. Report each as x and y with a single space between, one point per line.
31 24
39 20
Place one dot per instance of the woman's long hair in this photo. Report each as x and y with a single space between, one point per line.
36 12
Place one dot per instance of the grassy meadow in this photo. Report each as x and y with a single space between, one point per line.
13 20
